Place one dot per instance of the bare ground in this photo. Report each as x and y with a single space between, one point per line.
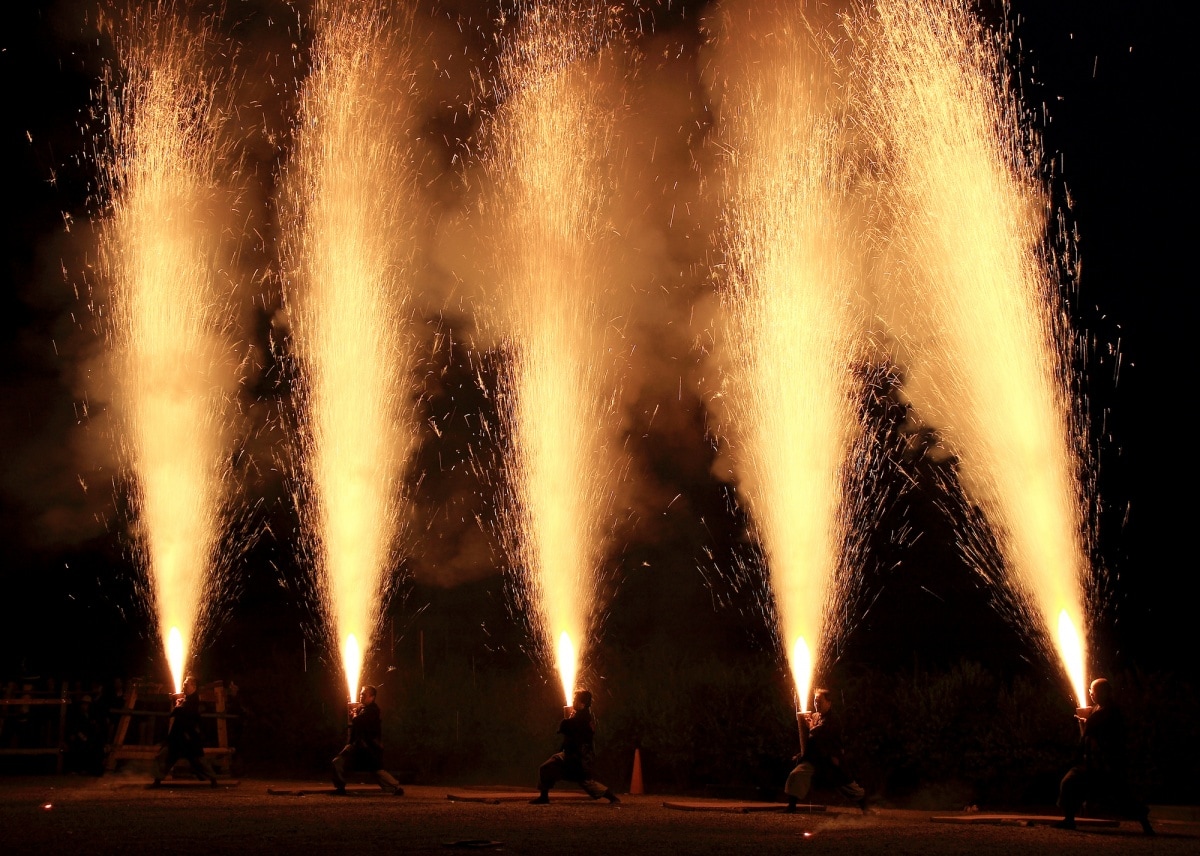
121 815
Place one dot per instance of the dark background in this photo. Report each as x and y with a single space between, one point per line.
684 667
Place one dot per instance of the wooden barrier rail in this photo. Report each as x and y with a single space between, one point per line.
220 755
58 749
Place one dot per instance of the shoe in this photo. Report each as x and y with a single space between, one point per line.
397 791
1146 827
340 790
212 783
1065 823
791 805
157 783
611 797
862 806
540 799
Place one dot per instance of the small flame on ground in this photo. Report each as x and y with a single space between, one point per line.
802 670
1070 648
567 665
175 654
352 661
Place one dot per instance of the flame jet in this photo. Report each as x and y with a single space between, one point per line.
172 309
349 244
795 340
549 185
981 321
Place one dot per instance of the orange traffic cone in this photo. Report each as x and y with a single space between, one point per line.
635 783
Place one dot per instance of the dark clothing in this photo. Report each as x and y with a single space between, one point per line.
825 747
1101 776
364 749
184 740
85 740
823 761
183 733
574 762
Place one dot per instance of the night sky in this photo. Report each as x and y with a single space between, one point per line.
1107 74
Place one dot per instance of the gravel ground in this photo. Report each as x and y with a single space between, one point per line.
120 815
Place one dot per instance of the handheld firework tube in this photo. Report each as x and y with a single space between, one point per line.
802 725
567 711
351 709
1082 714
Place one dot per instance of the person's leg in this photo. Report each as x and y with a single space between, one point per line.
854 792
1070 796
799 783
202 768
549 773
1128 805
596 790
338 769
388 782
163 762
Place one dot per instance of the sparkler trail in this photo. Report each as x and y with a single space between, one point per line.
349 243
551 134
982 320
795 342
171 312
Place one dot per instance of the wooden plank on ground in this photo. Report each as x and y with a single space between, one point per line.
1023 820
496 797
327 790
730 806
178 784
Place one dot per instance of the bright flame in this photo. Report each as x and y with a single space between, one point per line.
175 657
171 310
1070 647
350 193
979 316
567 665
352 661
802 672
557 393
795 341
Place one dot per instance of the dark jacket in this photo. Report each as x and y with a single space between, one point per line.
184 731
579 732
1102 744
366 736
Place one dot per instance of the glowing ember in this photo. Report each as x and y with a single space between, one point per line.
567 665
1071 650
171 308
175 657
802 672
978 314
557 398
790 383
349 244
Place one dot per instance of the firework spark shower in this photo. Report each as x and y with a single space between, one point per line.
550 180
167 267
974 304
795 341
349 238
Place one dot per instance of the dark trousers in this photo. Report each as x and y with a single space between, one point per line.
353 758
559 767
1100 791
168 755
